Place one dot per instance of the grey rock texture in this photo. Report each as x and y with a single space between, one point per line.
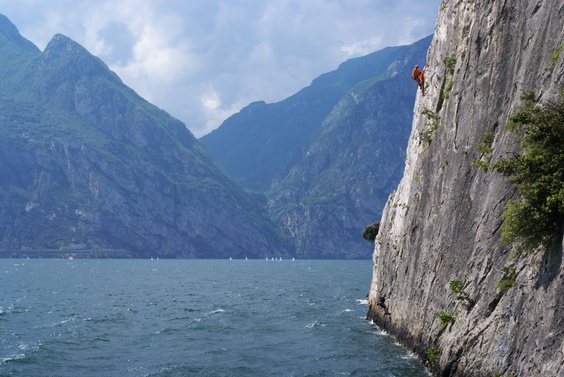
443 221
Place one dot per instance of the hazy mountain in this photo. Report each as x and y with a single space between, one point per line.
88 166
329 156
260 144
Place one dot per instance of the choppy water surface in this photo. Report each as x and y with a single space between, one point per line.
192 318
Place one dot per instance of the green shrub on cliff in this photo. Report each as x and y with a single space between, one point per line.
508 279
485 148
445 317
556 56
432 354
450 63
536 217
371 231
433 120
457 286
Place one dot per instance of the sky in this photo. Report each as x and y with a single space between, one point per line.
204 60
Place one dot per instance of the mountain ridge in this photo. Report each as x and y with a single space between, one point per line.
341 173
277 135
87 164
353 164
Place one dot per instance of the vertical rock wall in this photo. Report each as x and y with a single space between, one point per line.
443 221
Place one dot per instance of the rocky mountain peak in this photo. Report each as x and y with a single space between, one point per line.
64 53
61 45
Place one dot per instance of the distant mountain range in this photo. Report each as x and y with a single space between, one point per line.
328 157
89 168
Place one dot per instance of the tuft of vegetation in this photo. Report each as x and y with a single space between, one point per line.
457 287
450 63
432 355
529 96
508 279
556 56
371 231
484 146
445 317
448 86
433 120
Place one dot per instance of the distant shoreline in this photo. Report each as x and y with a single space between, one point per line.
66 254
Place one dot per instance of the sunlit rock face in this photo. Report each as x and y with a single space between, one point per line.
443 221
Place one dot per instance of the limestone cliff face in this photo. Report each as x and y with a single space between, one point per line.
443 221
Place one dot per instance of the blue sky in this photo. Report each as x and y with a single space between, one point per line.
204 60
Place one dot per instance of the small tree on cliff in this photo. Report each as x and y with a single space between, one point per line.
371 231
536 217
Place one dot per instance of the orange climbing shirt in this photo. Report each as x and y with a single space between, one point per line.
415 74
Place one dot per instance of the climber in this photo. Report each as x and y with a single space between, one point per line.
415 74
422 81
382 303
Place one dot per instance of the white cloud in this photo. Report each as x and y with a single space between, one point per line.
211 100
362 47
203 60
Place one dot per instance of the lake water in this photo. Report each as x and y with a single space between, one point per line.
192 318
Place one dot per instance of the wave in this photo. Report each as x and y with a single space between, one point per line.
382 332
410 356
216 311
20 353
315 324
4 360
